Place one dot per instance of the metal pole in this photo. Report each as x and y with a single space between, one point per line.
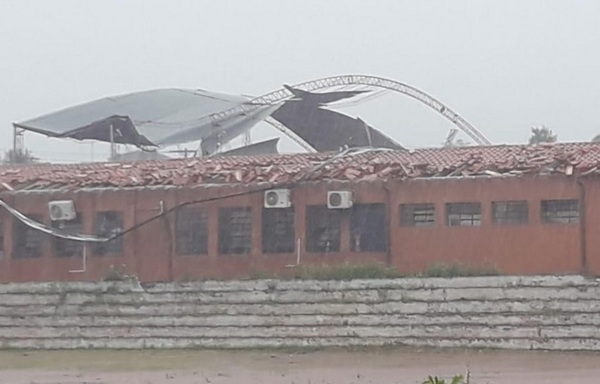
113 151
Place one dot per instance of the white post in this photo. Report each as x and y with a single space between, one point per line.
113 149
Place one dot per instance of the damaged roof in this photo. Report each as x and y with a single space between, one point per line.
164 117
351 165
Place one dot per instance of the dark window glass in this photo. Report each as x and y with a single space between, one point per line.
278 230
64 247
27 242
463 214
560 211
235 230
368 226
192 231
417 215
322 229
510 212
108 224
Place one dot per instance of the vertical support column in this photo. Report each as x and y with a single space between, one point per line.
113 148
18 140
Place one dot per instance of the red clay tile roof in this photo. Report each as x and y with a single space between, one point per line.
576 158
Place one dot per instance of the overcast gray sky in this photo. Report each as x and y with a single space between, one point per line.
503 65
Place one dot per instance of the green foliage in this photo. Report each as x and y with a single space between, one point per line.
351 271
457 270
458 379
117 274
19 157
347 271
542 134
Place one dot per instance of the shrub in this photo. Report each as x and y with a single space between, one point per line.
457 270
347 271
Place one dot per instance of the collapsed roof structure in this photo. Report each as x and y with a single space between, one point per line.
163 117
352 165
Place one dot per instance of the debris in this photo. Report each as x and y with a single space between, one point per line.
514 160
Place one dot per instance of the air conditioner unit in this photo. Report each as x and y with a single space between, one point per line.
278 198
339 199
62 210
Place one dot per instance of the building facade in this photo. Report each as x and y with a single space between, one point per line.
517 210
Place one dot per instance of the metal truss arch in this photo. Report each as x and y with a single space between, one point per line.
283 94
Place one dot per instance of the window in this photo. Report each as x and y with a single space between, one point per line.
368 226
191 231
560 211
322 229
235 230
510 212
108 224
278 230
64 247
417 215
463 214
27 242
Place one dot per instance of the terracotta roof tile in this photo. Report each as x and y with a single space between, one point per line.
402 164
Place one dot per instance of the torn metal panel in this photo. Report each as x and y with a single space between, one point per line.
267 147
327 130
157 117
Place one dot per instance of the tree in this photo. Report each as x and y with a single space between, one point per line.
542 134
19 157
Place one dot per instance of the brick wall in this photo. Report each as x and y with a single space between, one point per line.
552 313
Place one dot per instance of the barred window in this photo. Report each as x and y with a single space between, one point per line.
191 231
368 226
27 242
510 212
323 229
560 211
417 215
463 214
109 224
235 230
64 247
278 230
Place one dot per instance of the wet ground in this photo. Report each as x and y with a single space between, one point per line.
409 366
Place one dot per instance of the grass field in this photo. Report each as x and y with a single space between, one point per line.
374 366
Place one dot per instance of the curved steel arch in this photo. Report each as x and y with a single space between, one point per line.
333 81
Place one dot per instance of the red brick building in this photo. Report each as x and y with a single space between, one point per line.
518 209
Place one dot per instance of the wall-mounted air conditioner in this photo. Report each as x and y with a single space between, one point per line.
62 210
339 199
277 198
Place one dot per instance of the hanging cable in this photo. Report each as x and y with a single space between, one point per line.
56 232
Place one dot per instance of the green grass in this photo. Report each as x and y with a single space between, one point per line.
346 271
457 270
353 271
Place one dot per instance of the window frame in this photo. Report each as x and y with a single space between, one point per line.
41 239
108 248
557 217
327 216
516 212
469 214
277 230
371 239
197 222
408 214
226 239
